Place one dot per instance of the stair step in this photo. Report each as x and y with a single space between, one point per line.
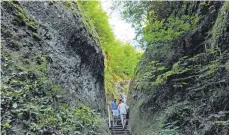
114 129
119 123
121 129
120 132
118 129
123 133
117 126
119 120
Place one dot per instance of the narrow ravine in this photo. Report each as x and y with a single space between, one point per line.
65 71
181 85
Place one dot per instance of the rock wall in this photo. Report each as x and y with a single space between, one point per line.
47 50
75 60
181 86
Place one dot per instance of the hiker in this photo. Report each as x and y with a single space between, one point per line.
123 111
120 101
115 113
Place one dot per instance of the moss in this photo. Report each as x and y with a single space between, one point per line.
224 123
28 21
75 14
22 16
84 116
203 3
176 66
220 24
227 66
174 27
34 68
86 21
68 5
212 68
176 70
185 57
161 68
184 83
36 36
36 104
6 126
20 44
16 45
7 33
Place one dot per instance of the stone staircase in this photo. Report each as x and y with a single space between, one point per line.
118 130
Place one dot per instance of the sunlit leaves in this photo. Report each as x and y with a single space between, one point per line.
120 58
168 29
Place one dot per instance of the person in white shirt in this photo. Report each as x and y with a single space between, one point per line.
123 111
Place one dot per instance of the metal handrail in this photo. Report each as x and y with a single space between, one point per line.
109 117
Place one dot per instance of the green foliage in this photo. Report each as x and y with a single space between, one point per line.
179 76
86 19
220 25
204 3
224 123
6 126
23 17
30 99
169 28
97 20
168 132
36 36
154 20
68 4
120 58
71 120
134 12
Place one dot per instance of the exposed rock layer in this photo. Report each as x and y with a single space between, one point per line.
75 60
181 85
46 49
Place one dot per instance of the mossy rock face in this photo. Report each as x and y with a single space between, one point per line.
185 80
220 29
14 45
22 18
227 65
44 81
